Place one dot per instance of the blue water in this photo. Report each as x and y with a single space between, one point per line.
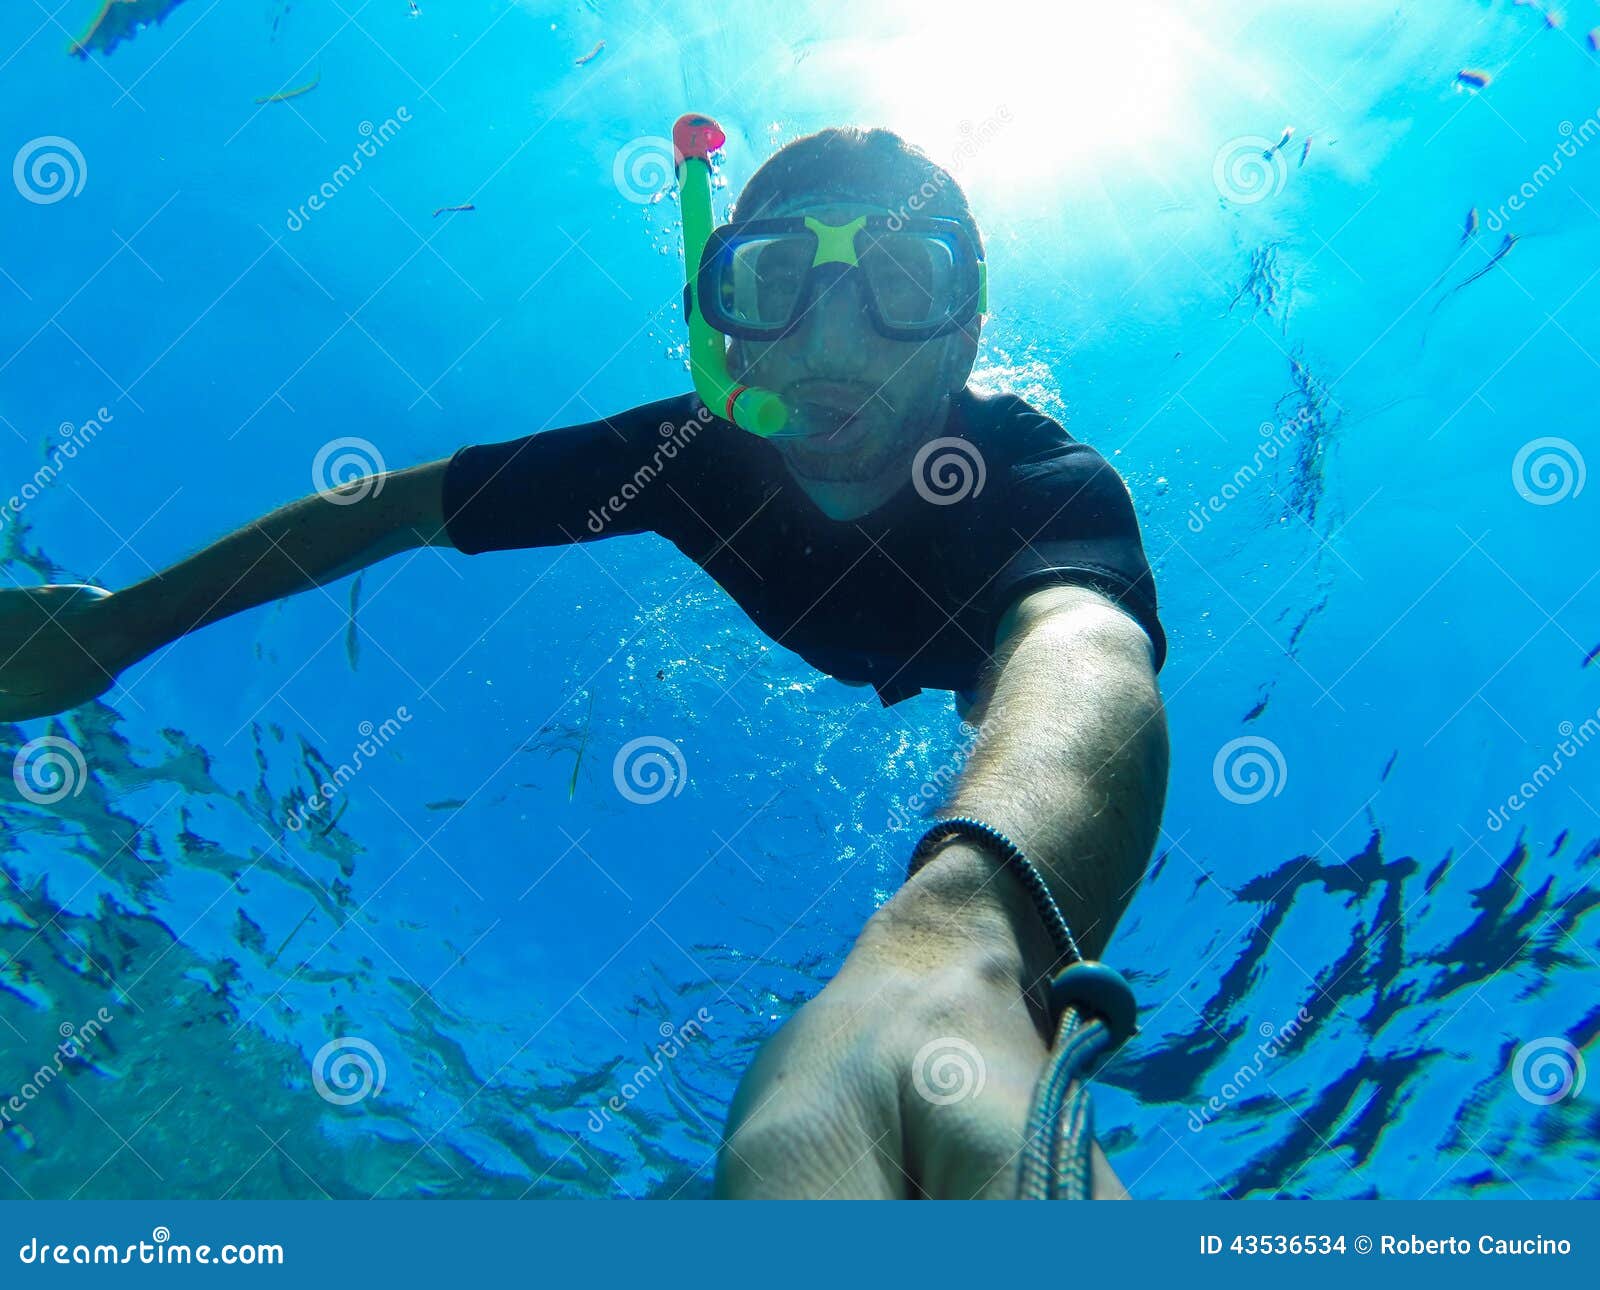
1394 610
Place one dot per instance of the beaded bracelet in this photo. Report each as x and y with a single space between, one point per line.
997 844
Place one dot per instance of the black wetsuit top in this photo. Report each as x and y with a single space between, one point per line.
904 598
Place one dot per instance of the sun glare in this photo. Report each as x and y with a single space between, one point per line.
1030 99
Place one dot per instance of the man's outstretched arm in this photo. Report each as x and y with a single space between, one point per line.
64 645
912 1072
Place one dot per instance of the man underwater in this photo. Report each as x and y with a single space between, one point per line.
850 287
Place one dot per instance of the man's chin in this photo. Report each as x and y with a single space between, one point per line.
840 500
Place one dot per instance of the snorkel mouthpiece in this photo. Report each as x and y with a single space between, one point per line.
762 412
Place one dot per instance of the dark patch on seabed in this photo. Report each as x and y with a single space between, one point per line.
1516 927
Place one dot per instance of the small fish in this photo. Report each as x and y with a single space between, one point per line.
591 55
448 804
1469 228
577 761
1594 40
416 10
1554 19
1511 239
445 210
352 639
305 918
1590 656
284 96
337 815
1473 78
1288 133
1305 149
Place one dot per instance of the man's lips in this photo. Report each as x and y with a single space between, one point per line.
832 414
833 396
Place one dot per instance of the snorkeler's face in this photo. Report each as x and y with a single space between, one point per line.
860 405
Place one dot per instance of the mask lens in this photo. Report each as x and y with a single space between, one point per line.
763 276
915 277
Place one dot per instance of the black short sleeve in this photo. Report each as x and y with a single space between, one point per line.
1071 520
571 484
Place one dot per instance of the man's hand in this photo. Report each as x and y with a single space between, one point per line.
912 1073
54 649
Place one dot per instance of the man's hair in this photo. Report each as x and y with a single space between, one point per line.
847 163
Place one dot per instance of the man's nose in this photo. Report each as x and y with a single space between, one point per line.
835 324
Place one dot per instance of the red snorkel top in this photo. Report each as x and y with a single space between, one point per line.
694 135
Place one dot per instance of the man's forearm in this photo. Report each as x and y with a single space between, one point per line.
305 544
1071 760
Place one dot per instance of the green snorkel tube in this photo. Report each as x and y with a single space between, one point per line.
762 412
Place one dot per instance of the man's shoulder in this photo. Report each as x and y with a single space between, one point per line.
679 416
1016 432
